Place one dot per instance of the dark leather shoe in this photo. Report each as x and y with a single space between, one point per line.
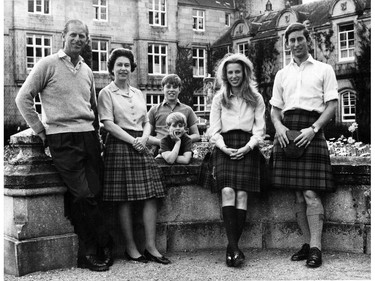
139 259
150 257
301 254
315 258
229 258
238 258
107 256
92 262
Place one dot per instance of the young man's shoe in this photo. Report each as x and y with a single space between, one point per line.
92 262
315 258
302 254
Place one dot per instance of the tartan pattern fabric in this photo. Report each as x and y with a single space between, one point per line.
128 174
241 174
312 171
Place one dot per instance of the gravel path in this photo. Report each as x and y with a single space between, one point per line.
210 265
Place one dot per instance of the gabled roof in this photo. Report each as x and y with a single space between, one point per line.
222 4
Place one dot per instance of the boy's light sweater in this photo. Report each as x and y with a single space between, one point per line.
68 99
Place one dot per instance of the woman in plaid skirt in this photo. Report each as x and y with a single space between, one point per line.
237 126
131 175
304 99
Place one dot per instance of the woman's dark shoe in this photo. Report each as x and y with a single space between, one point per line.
301 254
150 257
238 258
229 258
91 262
315 258
139 259
107 256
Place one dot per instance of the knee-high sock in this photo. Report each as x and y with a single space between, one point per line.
230 223
315 216
300 210
241 219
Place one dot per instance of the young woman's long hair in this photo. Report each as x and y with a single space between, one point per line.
248 89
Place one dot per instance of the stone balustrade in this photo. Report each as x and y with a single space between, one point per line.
38 236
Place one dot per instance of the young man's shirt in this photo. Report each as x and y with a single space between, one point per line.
167 144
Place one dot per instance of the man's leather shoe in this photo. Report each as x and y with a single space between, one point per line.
301 254
229 257
238 258
91 262
315 258
107 256
150 257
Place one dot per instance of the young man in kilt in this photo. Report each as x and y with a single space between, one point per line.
304 99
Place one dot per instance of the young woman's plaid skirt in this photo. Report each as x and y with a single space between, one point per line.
241 174
128 174
312 171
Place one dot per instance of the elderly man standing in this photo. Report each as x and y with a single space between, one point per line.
70 128
304 100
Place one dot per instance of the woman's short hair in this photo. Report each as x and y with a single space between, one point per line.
120 52
297 27
172 79
175 118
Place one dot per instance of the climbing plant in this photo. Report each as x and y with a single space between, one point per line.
324 43
184 69
362 82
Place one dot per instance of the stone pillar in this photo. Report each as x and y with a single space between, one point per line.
37 236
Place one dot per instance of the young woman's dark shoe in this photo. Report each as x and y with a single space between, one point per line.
139 259
150 257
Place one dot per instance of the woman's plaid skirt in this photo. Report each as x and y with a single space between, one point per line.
241 174
312 171
128 174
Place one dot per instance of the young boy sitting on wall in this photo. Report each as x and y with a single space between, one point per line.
176 146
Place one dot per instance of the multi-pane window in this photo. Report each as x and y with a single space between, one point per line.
348 101
37 47
157 59
287 55
243 48
38 104
100 9
157 12
227 19
198 20
199 62
346 42
39 7
152 99
99 55
199 103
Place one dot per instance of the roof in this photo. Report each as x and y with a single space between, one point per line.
221 4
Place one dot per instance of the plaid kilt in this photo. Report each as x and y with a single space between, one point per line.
241 174
128 174
312 171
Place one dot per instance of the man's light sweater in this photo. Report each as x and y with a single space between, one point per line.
68 99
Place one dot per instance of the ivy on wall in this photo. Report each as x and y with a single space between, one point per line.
324 43
362 82
184 69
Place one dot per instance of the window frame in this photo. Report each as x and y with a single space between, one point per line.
159 98
227 19
162 57
286 53
102 63
199 103
347 47
196 59
98 10
197 17
43 47
243 44
153 13
351 105
42 5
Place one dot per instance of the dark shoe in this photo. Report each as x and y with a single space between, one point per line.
107 256
139 259
315 258
238 258
229 258
162 259
91 262
301 254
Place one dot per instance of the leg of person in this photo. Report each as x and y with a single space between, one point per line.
300 211
315 215
126 222
149 220
228 196
68 154
241 208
